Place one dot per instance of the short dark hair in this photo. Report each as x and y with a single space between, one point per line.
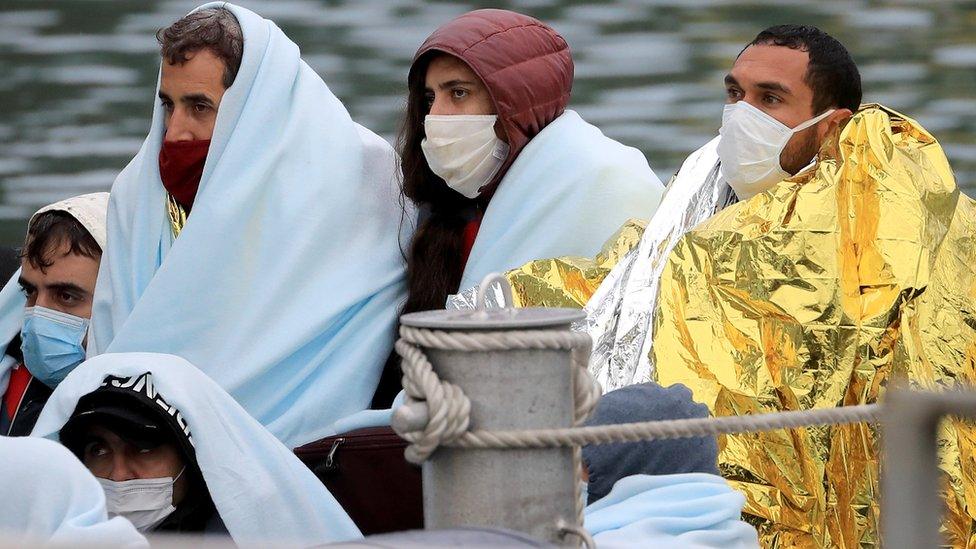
214 29
49 230
831 73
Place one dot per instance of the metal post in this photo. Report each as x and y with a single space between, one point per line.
911 506
531 491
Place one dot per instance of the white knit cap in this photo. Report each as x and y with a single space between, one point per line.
90 210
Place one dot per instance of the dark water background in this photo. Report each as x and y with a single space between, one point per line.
77 76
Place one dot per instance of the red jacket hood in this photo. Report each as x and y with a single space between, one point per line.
526 66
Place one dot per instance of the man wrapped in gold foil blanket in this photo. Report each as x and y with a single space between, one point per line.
816 294
769 282
858 270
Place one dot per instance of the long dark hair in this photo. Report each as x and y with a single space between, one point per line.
434 258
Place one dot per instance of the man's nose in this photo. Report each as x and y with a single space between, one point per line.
179 127
44 299
121 470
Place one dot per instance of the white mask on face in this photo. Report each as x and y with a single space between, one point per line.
145 502
463 150
751 144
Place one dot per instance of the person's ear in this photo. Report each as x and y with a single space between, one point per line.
836 120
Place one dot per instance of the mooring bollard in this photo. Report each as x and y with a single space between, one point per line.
528 490
911 505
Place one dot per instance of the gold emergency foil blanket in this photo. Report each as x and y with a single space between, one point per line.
570 281
817 294
559 282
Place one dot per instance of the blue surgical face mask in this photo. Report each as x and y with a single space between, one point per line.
52 343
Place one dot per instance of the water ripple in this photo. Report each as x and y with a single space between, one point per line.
77 78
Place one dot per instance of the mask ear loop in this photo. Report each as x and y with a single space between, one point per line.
813 121
183 470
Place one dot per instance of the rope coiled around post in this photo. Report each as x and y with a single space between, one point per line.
449 409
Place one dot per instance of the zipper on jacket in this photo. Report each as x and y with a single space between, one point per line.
330 459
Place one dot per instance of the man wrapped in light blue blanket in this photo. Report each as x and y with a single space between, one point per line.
257 231
260 491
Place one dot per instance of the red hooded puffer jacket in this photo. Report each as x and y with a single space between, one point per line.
526 66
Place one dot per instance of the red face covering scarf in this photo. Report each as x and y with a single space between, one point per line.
181 166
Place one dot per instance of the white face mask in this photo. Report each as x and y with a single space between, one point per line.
145 502
463 150
751 145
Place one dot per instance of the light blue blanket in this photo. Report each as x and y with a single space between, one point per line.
12 302
687 511
261 490
285 282
49 497
569 189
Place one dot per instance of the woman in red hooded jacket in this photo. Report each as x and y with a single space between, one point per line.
501 171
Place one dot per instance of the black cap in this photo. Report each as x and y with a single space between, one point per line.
132 409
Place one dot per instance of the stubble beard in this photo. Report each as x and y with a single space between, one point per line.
796 157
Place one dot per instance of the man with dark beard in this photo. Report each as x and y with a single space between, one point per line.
789 90
812 254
